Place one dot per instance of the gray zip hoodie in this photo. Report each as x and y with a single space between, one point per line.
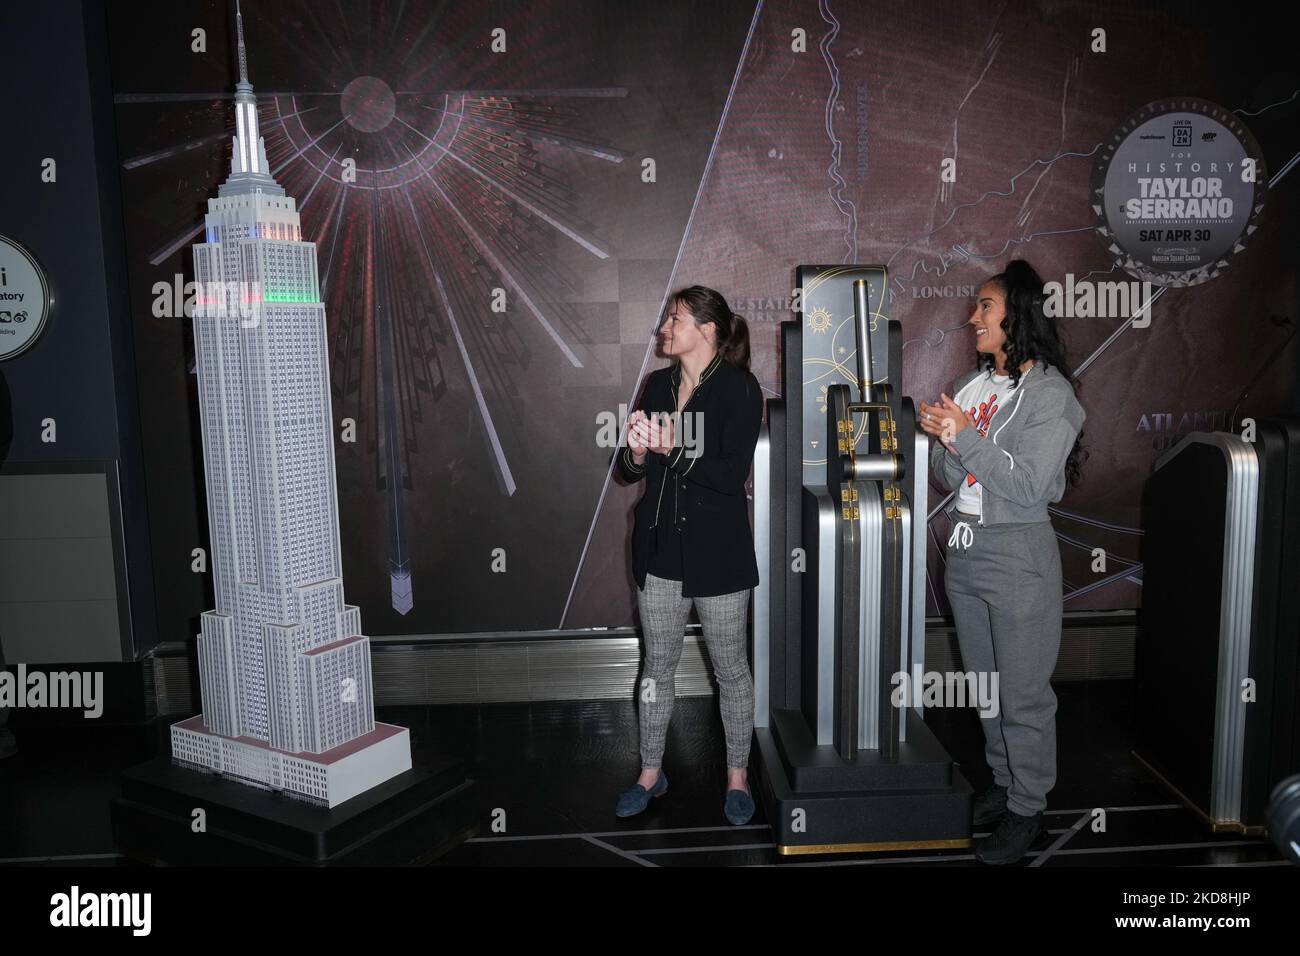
1021 463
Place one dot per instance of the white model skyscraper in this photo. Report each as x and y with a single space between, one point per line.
283 667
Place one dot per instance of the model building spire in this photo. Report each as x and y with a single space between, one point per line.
243 55
248 153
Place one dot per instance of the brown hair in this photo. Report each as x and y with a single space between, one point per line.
732 332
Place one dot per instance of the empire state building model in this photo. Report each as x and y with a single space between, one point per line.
288 701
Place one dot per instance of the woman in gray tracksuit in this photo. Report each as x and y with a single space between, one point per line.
1006 444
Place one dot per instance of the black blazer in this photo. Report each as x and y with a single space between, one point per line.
703 495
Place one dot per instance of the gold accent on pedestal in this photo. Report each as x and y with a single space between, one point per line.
814 848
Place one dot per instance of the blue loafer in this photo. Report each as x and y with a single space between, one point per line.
739 807
634 800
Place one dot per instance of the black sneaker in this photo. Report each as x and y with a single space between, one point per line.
1011 840
989 806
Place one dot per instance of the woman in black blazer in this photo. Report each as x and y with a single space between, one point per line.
692 438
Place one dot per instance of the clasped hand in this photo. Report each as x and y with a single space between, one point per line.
945 420
645 433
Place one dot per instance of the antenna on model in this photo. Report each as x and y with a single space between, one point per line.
243 57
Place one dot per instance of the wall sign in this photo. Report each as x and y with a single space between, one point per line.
1178 190
25 299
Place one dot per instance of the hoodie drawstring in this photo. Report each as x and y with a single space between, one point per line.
961 532
1014 408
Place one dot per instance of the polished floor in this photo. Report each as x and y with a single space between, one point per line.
549 773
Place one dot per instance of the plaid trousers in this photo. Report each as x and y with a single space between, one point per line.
664 612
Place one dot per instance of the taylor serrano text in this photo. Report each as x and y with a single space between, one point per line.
1194 197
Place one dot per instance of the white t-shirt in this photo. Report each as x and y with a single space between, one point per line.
983 396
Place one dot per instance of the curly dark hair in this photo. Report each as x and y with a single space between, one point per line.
1032 334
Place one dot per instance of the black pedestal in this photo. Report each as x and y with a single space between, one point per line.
920 801
406 821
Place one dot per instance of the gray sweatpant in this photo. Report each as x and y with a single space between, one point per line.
664 612
1004 586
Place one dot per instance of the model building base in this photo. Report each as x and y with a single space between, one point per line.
409 820
329 778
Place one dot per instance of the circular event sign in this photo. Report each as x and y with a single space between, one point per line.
25 299
1178 190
